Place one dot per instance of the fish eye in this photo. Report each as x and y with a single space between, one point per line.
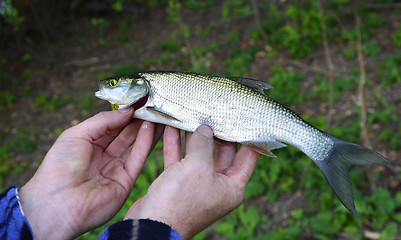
112 82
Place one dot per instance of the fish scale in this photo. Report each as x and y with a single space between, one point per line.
225 105
238 110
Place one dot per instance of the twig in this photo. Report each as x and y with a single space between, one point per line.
330 68
371 235
362 91
258 22
362 81
313 68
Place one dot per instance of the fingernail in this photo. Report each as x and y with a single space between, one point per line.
124 110
205 131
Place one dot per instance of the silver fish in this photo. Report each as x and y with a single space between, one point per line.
238 110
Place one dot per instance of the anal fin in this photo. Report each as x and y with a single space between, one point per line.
265 147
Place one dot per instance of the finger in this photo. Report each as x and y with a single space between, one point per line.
171 146
200 144
224 155
243 165
99 125
124 139
140 150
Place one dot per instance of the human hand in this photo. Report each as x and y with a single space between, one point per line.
194 192
87 175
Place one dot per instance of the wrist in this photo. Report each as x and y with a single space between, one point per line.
138 211
44 216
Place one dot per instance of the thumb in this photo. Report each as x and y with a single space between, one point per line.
98 125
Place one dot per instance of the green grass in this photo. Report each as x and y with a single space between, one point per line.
294 31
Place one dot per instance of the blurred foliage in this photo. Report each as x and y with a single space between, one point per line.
396 37
320 90
233 9
121 70
303 33
389 70
52 103
23 142
287 86
294 30
10 14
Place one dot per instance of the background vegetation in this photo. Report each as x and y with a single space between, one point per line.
337 63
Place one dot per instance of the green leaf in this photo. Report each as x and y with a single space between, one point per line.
371 48
383 201
254 188
200 236
389 232
349 53
26 57
325 223
118 5
298 214
250 218
396 37
287 86
224 228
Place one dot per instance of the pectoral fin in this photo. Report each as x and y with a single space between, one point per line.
265 147
165 115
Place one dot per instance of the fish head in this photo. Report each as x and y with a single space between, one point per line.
123 91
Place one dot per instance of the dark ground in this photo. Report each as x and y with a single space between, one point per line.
78 60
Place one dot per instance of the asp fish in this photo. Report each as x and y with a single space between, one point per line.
238 110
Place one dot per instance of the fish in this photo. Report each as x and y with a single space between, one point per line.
237 109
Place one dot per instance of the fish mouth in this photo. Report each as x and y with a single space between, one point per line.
100 94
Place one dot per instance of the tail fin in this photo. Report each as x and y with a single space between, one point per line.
335 168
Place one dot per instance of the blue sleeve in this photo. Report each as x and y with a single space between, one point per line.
13 223
139 229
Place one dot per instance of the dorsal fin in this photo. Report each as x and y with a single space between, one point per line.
253 84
